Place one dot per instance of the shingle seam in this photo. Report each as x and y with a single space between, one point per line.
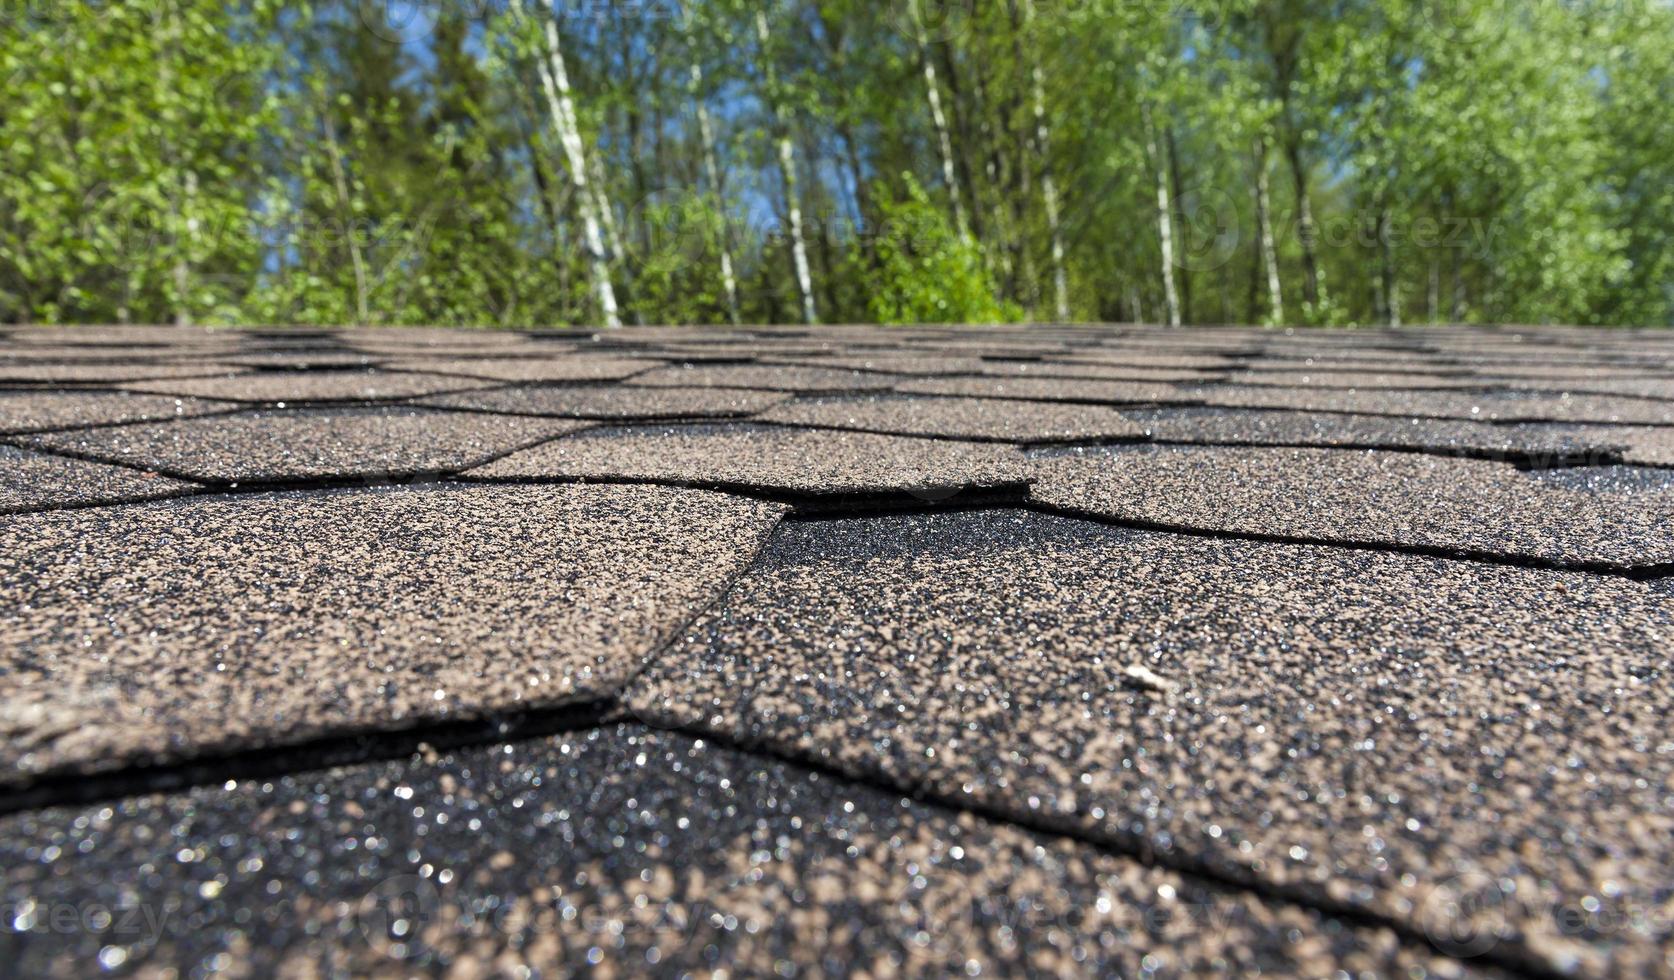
898 433
263 485
504 382
1638 573
281 758
1517 960
354 745
1527 460
231 409
91 504
1004 493
615 420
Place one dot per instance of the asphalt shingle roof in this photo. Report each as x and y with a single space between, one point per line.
904 651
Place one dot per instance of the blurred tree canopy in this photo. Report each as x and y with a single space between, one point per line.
522 162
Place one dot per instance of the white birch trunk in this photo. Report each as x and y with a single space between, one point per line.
607 215
1165 228
346 214
1391 284
939 119
1432 293
712 170
1264 229
787 170
1048 187
182 182
556 84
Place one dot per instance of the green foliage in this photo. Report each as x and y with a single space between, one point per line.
258 162
923 271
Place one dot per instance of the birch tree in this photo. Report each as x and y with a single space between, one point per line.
1165 230
938 120
1264 235
787 167
1048 187
263 162
555 83
711 164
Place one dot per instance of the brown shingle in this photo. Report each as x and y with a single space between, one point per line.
36 411
106 373
770 460
1048 389
273 387
560 367
165 631
36 481
307 444
960 418
1467 506
1362 728
768 377
1215 426
631 852
612 401
1504 407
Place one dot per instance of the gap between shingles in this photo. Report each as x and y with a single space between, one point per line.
1122 845
349 747
215 486
383 745
803 506
1601 568
353 746
1526 460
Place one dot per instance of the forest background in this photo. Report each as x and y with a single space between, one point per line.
525 162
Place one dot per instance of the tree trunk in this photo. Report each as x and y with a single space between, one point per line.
182 184
1432 294
787 171
960 124
1264 231
345 214
994 171
1182 227
1390 282
712 170
1312 288
1048 189
711 167
556 83
1022 286
1165 233
1459 297
938 119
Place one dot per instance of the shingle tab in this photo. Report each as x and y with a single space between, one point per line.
960 418
768 377
770 459
624 851
1370 729
143 634
37 481
291 387
36 411
612 401
294 445
549 368
1468 506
